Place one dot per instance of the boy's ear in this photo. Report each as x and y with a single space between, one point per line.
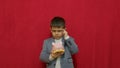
50 29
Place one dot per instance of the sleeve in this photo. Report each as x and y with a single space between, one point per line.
44 56
72 46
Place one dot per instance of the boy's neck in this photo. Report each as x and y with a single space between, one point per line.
59 39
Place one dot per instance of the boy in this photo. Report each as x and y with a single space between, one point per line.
63 58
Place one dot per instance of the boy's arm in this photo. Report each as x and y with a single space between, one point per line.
70 43
44 56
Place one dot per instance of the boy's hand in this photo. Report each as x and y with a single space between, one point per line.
65 33
66 36
55 55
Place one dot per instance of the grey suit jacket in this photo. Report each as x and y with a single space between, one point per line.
66 59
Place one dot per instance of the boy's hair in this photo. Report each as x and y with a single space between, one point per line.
57 22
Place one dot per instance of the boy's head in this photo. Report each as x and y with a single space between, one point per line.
57 27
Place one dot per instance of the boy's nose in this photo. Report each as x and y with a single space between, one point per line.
56 32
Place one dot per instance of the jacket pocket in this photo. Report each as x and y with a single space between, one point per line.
70 60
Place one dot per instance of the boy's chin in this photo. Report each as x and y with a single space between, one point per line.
57 38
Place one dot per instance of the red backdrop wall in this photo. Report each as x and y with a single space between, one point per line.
95 25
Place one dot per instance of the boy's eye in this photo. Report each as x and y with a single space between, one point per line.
60 30
53 30
57 30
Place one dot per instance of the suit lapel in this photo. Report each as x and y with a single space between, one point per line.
50 45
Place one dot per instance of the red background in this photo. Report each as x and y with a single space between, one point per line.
95 25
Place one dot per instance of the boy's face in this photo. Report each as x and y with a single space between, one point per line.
57 32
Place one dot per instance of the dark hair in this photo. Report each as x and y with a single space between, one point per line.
57 22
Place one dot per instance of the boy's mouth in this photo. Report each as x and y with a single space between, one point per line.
56 37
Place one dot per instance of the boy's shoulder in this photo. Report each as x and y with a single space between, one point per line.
51 39
48 39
